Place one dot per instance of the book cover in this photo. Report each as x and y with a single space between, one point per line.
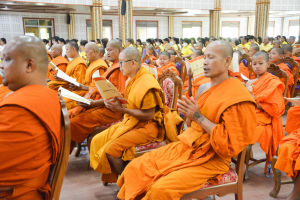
196 65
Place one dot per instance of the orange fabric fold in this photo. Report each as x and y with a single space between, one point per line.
163 68
4 91
292 121
196 84
61 63
285 68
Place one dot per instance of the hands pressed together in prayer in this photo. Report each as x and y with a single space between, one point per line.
190 109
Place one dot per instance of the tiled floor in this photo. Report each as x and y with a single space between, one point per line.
83 184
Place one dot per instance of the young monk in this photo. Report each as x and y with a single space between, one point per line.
242 69
276 43
267 91
288 52
253 49
84 118
165 63
275 55
75 69
150 51
58 60
142 120
205 149
30 125
173 55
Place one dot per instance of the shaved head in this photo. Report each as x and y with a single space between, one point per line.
92 46
279 50
57 47
165 53
150 47
287 47
264 54
101 50
74 45
223 47
132 53
198 52
172 53
255 47
115 43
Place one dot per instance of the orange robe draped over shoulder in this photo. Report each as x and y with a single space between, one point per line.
285 68
196 84
142 92
293 119
61 63
153 57
92 68
4 91
30 140
170 65
289 154
83 121
298 61
75 69
268 91
185 166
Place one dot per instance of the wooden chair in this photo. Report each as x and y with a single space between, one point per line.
179 54
282 75
147 57
223 189
295 69
181 67
58 170
249 61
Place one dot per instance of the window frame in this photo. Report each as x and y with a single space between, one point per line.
86 28
232 21
273 27
53 24
288 35
136 21
192 21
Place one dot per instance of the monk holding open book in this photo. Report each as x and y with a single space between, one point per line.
84 117
30 125
267 91
142 122
58 60
223 122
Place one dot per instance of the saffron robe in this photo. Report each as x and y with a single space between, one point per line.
29 149
153 57
75 69
92 68
49 56
185 166
163 68
61 63
285 68
268 93
292 121
120 139
195 85
4 91
288 154
83 121
298 61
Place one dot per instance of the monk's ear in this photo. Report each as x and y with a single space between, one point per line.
227 61
31 65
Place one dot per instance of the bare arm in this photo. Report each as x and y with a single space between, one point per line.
80 87
94 103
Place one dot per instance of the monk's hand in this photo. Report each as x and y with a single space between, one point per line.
190 109
116 105
58 79
85 105
74 87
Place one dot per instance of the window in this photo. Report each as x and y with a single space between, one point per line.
191 29
293 28
106 30
42 28
146 29
230 29
271 29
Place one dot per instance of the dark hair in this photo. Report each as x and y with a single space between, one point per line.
62 40
159 40
187 40
73 44
199 38
284 38
44 40
138 40
67 41
149 40
193 39
165 53
83 42
236 42
55 38
104 42
167 39
98 40
176 40
259 40
93 41
3 40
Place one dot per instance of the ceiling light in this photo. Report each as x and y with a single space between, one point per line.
10 2
106 8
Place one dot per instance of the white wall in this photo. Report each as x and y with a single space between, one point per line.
284 5
286 25
178 25
243 24
277 26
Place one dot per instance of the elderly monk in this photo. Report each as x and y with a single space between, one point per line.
84 118
151 52
58 60
142 122
275 56
267 91
95 64
222 126
165 63
30 125
75 69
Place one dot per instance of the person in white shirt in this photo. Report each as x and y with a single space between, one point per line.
2 44
62 42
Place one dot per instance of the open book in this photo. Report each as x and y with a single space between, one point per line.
63 75
196 65
244 77
151 68
295 101
107 90
234 65
68 94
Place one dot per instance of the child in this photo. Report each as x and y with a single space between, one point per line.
164 63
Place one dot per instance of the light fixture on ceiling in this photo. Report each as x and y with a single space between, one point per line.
106 8
10 2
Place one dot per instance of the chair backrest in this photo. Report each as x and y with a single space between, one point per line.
181 68
58 170
282 75
294 66
157 50
147 59
239 167
249 63
172 87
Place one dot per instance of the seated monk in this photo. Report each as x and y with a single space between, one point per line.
275 55
267 91
142 122
75 69
150 51
276 43
292 121
58 60
30 125
242 69
288 52
253 49
164 63
95 64
199 46
172 54
84 118
205 149
101 53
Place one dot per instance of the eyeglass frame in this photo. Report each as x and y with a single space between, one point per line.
121 62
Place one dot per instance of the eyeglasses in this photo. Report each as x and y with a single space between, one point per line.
121 62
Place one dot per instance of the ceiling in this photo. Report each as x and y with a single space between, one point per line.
10 6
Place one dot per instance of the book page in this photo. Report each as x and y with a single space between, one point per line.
295 101
234 65
68 94
63 75
244 77
152 69
54 67
196 65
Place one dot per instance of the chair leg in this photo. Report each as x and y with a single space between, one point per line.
247 159
105 183
78 150
277 178
238 196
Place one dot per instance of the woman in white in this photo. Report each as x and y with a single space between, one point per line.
62 42
2 44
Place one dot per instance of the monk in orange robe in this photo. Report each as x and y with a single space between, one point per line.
84 118
275 55
75 69
30 125
292 121
95 64
242 69
165 63
288 52
151 52
222 125
267 91
142 122
58 60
